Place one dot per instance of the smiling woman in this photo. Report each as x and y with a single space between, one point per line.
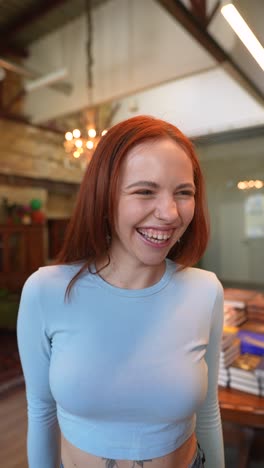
124 334
155 205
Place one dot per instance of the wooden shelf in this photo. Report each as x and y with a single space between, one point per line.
21 253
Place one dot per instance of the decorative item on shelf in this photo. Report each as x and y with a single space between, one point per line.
37 215
15 213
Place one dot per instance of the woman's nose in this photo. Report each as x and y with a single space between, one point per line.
167 210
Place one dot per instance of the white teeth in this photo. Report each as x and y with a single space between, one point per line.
154 236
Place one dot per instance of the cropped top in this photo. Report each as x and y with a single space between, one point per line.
123 374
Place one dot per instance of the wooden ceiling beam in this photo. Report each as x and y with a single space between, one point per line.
183 15
10 50
24 20
199 10
29 17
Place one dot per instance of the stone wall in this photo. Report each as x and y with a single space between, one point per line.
28 151
34 154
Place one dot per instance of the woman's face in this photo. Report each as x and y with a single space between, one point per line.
155 203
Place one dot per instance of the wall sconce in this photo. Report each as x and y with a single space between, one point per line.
250 184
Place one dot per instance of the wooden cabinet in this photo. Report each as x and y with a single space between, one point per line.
21 253
56 234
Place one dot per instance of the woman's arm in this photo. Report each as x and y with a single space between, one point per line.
208 425
43 441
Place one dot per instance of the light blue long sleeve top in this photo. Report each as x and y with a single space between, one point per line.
123 374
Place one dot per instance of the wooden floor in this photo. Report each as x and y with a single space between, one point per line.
13 430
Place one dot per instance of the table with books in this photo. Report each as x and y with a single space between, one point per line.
241 372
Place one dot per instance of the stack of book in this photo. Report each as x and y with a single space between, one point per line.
240 295
247 374
234 316
255 308
230 350
235 304
242 353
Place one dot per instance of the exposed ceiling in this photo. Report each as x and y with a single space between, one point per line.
22 22
202 19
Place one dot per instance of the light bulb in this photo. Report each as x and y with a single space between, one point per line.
89 144
76 133
242 185
92 132
78 143
68 136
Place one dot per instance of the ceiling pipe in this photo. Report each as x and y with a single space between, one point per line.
65 88
24 20
46 80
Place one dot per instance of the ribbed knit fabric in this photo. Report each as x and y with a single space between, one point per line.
122 372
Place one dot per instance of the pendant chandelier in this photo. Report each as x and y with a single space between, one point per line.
81 142
91 123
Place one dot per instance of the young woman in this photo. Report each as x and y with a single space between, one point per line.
120 340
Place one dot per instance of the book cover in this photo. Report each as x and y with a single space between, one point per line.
253 326
251 342
245 366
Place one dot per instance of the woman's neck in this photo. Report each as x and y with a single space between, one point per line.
126 276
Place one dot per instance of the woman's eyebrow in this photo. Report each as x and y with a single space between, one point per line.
188 185
143 183
149 183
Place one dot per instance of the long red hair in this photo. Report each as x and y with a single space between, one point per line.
89 230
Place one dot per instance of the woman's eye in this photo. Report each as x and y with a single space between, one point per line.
186 193
144 192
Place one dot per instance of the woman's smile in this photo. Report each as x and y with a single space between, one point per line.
155 237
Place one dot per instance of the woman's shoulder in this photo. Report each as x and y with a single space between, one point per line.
196 277
51 275
204 275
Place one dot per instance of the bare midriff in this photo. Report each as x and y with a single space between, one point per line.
182 457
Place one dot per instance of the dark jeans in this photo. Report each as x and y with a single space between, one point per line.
198 462
200 458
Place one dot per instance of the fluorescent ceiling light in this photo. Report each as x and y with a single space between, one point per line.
244 33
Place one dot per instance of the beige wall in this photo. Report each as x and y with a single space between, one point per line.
229 252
